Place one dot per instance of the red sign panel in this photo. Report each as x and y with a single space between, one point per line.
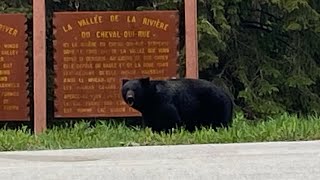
96 50
13 70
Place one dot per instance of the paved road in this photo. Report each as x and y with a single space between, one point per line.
256 161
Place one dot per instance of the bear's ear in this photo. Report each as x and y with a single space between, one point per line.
145 81
124 81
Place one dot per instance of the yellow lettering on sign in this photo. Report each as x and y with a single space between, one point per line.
95 96
69 80
102 44
109 65
137 51
74 44
86 34
9 30
9 85
5 101
155 23
158 43
67 87
128 72
69 59
78 73
151 50
84 110
96 58
161 58
67 29
96 79
10 108
88 44
10 94
107 87
67 110
7 65
11 46
9 52
101 110
107 73
81 80
78 66
144 34
92 51
118 110
165 64
148 65
68 51
90 21
114 18
3 78
163 50
85 87
124 58
91 103
68 66
115 44
71 96
131 19
108 34
65 45
111 80
5 72
129 34
152 71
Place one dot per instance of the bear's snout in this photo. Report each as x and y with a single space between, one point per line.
130 97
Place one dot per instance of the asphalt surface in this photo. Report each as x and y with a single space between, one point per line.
256 161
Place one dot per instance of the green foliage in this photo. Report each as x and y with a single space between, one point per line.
266 52
268 55
17 6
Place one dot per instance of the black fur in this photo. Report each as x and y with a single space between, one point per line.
165 104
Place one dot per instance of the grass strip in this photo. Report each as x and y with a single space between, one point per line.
109 134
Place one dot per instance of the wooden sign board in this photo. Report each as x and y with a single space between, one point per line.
13 70
94 51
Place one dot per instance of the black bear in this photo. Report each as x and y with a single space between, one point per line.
166 104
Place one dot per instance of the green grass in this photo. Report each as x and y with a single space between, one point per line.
106 134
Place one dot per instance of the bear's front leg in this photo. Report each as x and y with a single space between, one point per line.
162 118
145 120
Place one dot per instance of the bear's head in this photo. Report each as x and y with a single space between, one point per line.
134 92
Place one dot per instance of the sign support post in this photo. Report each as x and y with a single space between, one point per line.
39 65
190 9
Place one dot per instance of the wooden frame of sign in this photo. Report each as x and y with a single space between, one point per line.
39 51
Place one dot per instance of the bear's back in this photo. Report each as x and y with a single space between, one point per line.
194 85
189 90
